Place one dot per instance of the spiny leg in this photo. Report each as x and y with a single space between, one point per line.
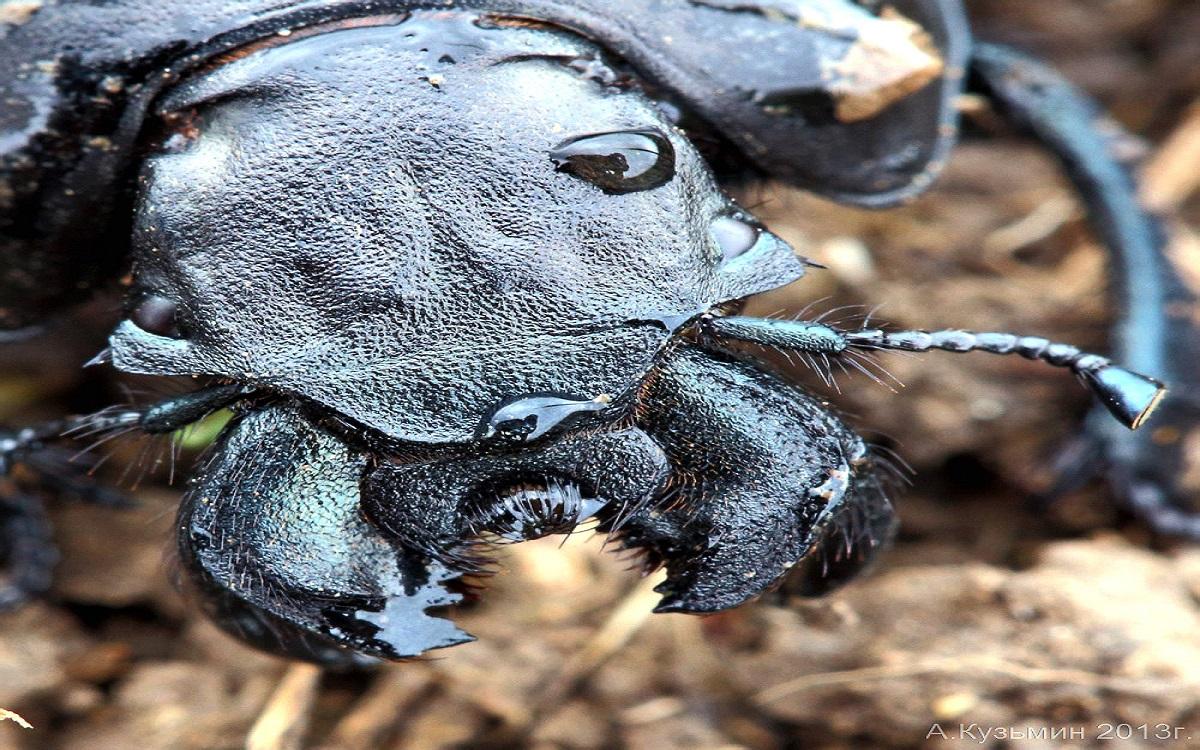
1156 472
27 551
765 480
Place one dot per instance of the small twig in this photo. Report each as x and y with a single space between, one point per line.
1051 214
653 711
13 716
1173 174
624 621
282 724
379 713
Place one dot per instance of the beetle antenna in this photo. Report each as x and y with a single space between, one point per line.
861 361
1128 396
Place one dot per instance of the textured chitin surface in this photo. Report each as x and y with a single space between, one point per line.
731 478
764 477
854 102
273 538
402 248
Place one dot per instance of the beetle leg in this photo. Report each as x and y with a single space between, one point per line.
64 473
1157 472
27 551
171 414
765 480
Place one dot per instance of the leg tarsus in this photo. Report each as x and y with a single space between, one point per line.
1160 511
61 471
1156 476
27 552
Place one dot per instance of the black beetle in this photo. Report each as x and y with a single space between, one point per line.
465 277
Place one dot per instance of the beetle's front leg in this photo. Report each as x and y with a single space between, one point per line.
765 481
27 551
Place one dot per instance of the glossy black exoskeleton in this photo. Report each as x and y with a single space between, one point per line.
465 279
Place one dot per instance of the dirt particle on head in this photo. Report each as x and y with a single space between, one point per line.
892 58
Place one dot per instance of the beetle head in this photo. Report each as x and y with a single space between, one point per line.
413 223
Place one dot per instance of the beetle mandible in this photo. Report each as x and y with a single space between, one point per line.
466 278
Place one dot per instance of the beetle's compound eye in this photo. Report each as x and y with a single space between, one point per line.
157 314
622 162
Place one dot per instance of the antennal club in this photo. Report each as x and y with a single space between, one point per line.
1129 396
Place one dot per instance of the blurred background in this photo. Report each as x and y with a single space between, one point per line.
987 612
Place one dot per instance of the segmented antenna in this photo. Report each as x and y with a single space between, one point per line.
1129 396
